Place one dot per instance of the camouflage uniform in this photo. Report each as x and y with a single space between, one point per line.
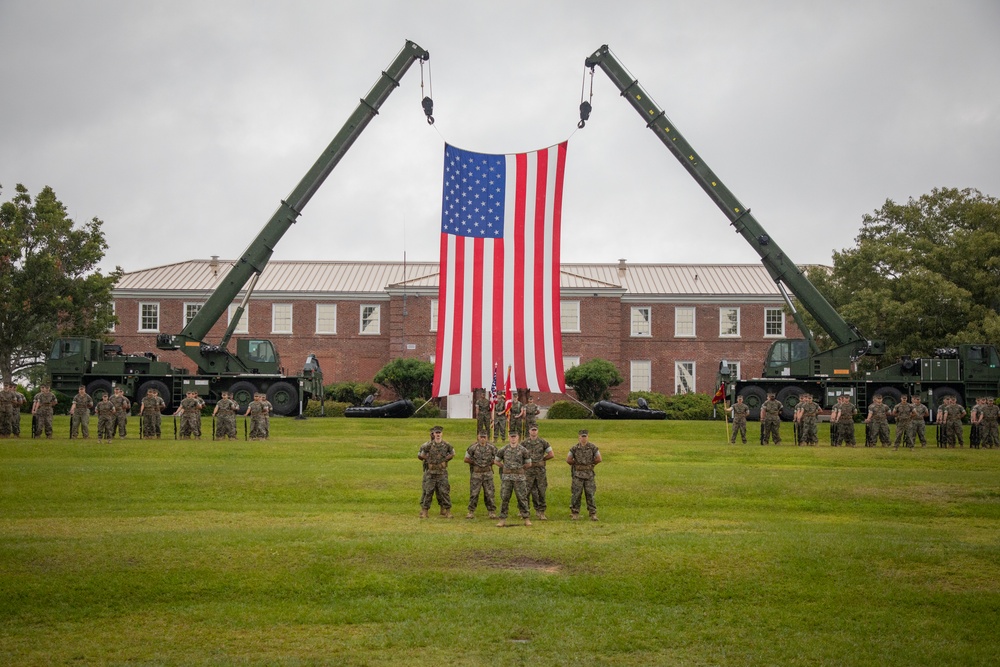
991 414
583 456
257 413
740 412
807 421
105 411
538 482
845 424
514 461
6 412
531 413
483 415
976 434
150 409
517 418
268 409
190 412
15 426
226 410
435 456
878 418
904 416
770 421
122 408
45 402
918 425
80 419
953 414
480 457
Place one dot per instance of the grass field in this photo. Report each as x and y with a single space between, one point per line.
307 549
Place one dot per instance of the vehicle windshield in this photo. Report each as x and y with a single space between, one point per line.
66 348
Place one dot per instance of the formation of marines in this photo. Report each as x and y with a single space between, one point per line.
522 467
11 401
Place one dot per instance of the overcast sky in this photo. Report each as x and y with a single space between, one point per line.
182 124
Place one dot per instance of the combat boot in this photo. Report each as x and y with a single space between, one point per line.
423 513
446 514
502 523
527 521
540 516
574 516
593 517
470 515
493 515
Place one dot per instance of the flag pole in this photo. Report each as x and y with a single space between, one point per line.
725 415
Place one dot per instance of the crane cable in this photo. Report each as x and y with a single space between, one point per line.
585 105
427 103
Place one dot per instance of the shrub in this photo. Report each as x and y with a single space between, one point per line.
688 406
429 411
568 410
409 378
332 409
593 380
656 401
353 393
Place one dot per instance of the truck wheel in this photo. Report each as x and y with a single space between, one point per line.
753 398
98 387
789 397
284 397
243 394
943 392
158 386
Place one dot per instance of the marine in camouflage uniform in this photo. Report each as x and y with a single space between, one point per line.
583 456
257 412
15 414
903 412
918 424
480 456
807 415
975 418
538 483
80 413
740 412
953 414
842 421
225 410
514 462
105 411
517 418
6 412
268 409
42 408
435 453
770 420
531 412
878 421
190 413
149 412
483 414
990 417
122 408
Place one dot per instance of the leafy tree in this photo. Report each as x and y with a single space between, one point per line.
51 285
592 380
408 378
923 274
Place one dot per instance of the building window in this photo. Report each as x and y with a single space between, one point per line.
774 322
114 315
434 314
569 316
243 326
370 319
684 322
729 322
326 318
641 372
433 359
640 321
570 362
281 318
190 310
684 377
149 317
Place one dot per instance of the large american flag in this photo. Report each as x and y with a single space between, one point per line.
498 296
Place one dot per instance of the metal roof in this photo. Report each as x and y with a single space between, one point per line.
305 277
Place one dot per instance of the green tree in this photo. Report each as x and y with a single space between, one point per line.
408 378
592 380
923 274
51 284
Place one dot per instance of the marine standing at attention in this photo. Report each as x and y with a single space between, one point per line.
435 453
480 456
583 457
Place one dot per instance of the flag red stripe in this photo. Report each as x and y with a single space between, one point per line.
458 307
520 221
558 383
477 308
442 309
498 323
538 270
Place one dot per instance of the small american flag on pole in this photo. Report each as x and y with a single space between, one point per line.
493 389
498 295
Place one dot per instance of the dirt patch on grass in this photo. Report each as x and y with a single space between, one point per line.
502 560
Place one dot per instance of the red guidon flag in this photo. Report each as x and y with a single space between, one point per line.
720 395
498 295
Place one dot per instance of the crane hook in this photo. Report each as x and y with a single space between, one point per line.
585 110
428 105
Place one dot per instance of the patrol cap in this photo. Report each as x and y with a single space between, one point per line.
770 394
584 431
481 434
436 429
533 427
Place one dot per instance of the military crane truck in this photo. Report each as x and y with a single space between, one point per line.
255 365
796 366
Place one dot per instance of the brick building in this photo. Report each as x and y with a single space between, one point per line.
665 326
